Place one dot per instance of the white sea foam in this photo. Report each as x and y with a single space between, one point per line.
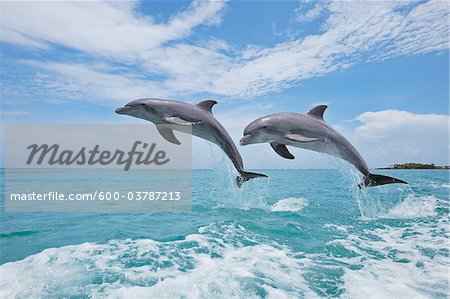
228 262
399 262
225 260
395 201
291 204
414 207
341 228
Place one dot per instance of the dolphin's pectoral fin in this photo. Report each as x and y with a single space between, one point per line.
317 111
207 105
167 133
282 150
181 122
299 138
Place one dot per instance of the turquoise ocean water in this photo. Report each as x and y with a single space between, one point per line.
298 234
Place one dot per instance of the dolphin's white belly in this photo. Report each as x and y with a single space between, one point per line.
321 146
327 146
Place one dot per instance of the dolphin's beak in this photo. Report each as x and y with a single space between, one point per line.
245 140
122 110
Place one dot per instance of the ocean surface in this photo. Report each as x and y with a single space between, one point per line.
297 234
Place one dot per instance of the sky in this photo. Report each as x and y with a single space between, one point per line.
381 67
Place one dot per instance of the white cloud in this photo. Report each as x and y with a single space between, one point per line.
102 82
163 58
82 81
110 29
384 123
112 32
14 113
311 13
393 136
353 32
189 68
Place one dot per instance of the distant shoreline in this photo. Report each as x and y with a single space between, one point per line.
415 166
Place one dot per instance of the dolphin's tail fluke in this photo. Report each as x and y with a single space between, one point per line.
371 180
245 176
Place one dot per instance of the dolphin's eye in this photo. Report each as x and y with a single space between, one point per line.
142 104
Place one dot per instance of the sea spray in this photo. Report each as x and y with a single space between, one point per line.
376 202
324 250
222 260
373 202
250 195
291 204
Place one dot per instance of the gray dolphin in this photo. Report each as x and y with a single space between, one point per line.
168 115
309 132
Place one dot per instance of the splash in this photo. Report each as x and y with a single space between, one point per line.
352 177
414 207
375 202
291 204
252 193
383 201
398 262
223 260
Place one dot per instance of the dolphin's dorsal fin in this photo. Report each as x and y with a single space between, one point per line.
317 111
207 105
167 133
282 150
299 137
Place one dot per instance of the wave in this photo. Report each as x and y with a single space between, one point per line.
414 207
396 202
224 260
291 204
398 262
18 234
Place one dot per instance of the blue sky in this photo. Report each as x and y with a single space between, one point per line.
381 67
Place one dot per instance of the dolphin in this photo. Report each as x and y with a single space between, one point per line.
169 115
309 132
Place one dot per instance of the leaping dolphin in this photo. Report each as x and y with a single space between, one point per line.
309 132
167 113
